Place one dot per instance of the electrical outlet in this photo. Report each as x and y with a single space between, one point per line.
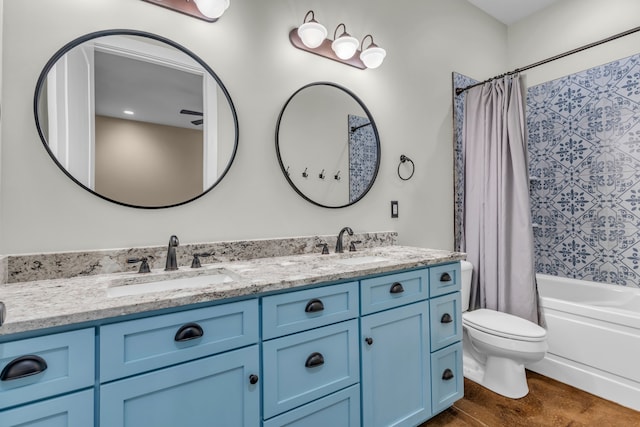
394 209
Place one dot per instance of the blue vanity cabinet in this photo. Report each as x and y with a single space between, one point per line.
40 370
193 368
447 382
395 349
311 357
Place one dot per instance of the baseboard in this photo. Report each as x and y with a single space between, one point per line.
602 384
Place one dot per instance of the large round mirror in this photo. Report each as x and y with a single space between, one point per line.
136 119
327 145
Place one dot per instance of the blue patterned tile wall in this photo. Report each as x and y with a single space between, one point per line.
363 156
459 81
584 160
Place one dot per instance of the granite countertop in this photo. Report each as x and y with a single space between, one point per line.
50 303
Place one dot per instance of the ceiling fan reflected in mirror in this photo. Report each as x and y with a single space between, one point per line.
197 122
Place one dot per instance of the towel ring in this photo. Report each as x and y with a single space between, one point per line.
404 159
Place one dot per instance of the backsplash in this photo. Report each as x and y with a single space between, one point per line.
3 269
584 161
24 268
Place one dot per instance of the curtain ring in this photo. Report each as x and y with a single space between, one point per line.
404 159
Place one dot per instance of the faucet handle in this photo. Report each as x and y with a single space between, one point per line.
144 267
196 259
352 245
325 248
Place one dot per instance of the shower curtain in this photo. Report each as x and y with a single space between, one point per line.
498 236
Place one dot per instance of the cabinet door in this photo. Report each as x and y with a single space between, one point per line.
217 390
74 410
396 367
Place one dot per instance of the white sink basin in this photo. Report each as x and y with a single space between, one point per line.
163 284
361 260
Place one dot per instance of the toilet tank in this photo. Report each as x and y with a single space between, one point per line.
466 270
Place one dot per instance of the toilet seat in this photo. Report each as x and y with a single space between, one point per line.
503 325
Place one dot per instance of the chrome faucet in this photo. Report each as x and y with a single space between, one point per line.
339 248
172 262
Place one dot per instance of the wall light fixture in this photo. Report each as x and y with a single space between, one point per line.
311 37
208 10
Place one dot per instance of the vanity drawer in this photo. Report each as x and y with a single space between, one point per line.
446 320
142 345
303 367
71 410
447 383
393 290
65 362
338 409
444 279
293 312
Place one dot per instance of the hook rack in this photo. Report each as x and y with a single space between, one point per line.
404 159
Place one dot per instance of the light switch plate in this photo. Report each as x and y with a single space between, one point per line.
394 209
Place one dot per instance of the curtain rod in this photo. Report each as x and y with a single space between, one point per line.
553 58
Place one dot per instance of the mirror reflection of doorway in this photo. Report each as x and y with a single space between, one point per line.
135 119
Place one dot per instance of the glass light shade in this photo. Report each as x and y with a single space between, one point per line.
312 34
372 57
212 8
345 46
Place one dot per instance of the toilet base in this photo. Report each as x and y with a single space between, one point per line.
500 375
505 377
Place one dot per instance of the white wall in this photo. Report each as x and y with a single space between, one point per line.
409 97
1 119
570 24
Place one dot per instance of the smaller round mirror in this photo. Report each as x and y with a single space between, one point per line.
136 119
327 145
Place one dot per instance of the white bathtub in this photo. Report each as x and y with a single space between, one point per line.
593 332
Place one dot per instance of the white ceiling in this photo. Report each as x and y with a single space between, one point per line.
511 11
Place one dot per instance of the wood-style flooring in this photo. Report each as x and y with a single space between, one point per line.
549 403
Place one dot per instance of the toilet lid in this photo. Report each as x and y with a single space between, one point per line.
504 325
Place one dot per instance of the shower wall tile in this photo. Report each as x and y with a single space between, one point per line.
363 156
459 81
584 159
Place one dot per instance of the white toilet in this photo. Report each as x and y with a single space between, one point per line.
497 345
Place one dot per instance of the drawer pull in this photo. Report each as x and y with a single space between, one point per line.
22 367
446 318
315 359
396 288
368 340
253 379
189 332
447 374
446 277
314 306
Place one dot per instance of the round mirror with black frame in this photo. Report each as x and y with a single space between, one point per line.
327 145
136 119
